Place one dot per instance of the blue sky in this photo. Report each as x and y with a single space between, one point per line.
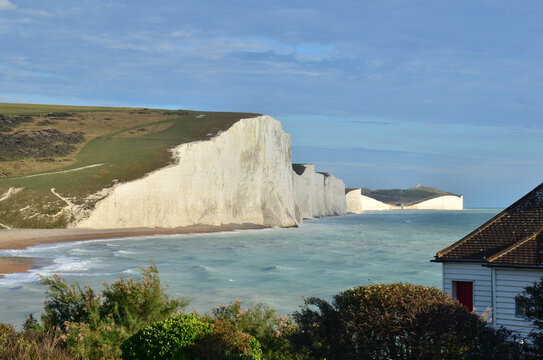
383 94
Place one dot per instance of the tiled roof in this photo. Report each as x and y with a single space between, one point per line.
513 237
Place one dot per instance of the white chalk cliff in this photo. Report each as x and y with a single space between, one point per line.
334 196
242 175
318 194
358 203
447 202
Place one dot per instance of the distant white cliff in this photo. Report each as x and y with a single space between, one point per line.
448 202
243 175
358 203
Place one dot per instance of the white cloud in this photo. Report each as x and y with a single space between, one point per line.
35 12
6 5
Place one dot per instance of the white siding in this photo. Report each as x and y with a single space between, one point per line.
482 283
510 283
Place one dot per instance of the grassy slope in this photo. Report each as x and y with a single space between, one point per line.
136 149
23 109
406 197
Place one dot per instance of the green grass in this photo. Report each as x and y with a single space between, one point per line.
26 109
125 156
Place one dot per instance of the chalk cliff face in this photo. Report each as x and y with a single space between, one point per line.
358 203
354 205
243 175
318 194
334 200
448 202
368 203
303 186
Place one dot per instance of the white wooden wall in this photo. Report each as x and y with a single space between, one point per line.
494 288
509 283
481 277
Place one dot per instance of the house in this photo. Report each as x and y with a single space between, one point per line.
487 268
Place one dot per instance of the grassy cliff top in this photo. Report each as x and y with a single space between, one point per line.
405 197
79 150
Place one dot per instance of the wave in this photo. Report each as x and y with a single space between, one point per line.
278 268
120 253
15 281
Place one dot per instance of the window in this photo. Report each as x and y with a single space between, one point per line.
463 292
520 311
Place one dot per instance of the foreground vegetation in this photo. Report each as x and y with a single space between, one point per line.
78 151
136 319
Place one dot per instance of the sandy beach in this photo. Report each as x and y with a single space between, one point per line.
23 238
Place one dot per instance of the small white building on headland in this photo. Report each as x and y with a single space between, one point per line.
489 267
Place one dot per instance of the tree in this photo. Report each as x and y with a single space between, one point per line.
397 321
531 300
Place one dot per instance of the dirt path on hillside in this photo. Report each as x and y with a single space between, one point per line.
59 172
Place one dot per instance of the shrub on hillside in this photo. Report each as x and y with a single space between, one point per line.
31 345
95 325
397 321
226 342
167 339
259 321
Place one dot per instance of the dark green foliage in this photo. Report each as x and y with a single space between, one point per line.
262 323
139 303
397 321
532 301
31 344
60 115
67 303
8 123
227 342
165 339
94 325
38 143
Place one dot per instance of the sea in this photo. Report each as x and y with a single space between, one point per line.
277 267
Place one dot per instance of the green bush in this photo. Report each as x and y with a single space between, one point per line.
136 304
165 339
263 324
226 342
67 303
31 345
94 325
531 300
397 321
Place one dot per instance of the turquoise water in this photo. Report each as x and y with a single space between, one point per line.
272 266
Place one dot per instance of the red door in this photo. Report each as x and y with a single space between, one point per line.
464 294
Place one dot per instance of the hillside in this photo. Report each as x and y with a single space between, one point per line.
53 156
399 197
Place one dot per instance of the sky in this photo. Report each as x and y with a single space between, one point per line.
382 93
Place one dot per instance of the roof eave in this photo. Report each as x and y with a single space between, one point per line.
515 266
438 260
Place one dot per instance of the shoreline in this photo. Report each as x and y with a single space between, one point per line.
16 239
